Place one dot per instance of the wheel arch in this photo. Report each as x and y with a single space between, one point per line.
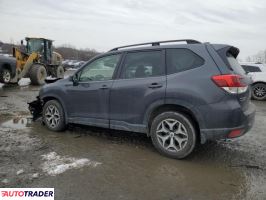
9 67
190 113
257 82
48 98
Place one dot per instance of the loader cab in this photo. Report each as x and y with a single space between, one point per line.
41 46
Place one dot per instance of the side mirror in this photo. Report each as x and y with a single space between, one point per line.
75 79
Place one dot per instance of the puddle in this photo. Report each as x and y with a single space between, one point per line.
17 123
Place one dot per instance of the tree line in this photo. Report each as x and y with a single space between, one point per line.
258 57
67 51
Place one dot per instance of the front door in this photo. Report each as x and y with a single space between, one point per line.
90 96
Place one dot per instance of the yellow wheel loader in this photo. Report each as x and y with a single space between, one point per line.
36 61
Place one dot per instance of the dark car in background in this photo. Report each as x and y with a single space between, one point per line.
178 94
7 68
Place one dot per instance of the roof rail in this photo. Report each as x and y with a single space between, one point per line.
188 41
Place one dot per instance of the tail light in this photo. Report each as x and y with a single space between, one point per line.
231 83
235 133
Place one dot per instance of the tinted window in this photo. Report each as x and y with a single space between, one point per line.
143 64
235 66
100 69
182 59
249 68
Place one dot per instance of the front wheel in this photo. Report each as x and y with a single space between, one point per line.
37 74
259 91
53 116
173 134
5 76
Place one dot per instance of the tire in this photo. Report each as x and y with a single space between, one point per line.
53 116
173 134
259 91
60 72
5 75
37 74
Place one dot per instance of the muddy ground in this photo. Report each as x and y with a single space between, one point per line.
89 163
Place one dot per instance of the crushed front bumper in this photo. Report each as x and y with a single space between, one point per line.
35 108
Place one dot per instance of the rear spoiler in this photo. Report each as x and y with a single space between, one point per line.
224 49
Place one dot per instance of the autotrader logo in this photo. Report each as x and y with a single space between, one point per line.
27 193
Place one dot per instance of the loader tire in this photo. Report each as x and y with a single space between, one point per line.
37 74
60 72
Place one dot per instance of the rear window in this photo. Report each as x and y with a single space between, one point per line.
182 59
234 65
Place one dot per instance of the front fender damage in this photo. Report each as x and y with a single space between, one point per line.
35 108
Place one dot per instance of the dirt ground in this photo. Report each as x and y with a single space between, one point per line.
89 163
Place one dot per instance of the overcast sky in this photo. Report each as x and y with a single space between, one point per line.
104 24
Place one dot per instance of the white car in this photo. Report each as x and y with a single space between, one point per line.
257 72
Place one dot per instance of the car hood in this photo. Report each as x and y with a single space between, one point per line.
7 59
55 85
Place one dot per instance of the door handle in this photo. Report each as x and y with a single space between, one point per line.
155 85
103 87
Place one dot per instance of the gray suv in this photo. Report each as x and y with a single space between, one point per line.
178 92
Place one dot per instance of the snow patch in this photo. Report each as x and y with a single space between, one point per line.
55 164
5 181
24 81
21 171
72 69
35 175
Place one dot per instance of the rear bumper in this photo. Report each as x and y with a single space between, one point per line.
223 133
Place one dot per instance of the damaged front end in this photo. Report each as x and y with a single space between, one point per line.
35 108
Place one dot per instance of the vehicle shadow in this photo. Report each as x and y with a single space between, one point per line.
212 150
114 136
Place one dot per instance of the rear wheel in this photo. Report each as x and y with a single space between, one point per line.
173 134
37 74
53 116
259 91
60 72
5 75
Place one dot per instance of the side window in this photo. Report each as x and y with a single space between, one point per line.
182 59
143 64
249 68
100 69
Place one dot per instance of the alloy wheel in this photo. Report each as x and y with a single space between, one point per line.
260 91
52 116
172 135
6 76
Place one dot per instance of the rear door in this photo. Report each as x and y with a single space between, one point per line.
142 81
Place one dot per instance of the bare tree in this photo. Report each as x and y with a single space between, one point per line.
259 57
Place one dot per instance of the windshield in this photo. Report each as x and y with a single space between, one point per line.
34 45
